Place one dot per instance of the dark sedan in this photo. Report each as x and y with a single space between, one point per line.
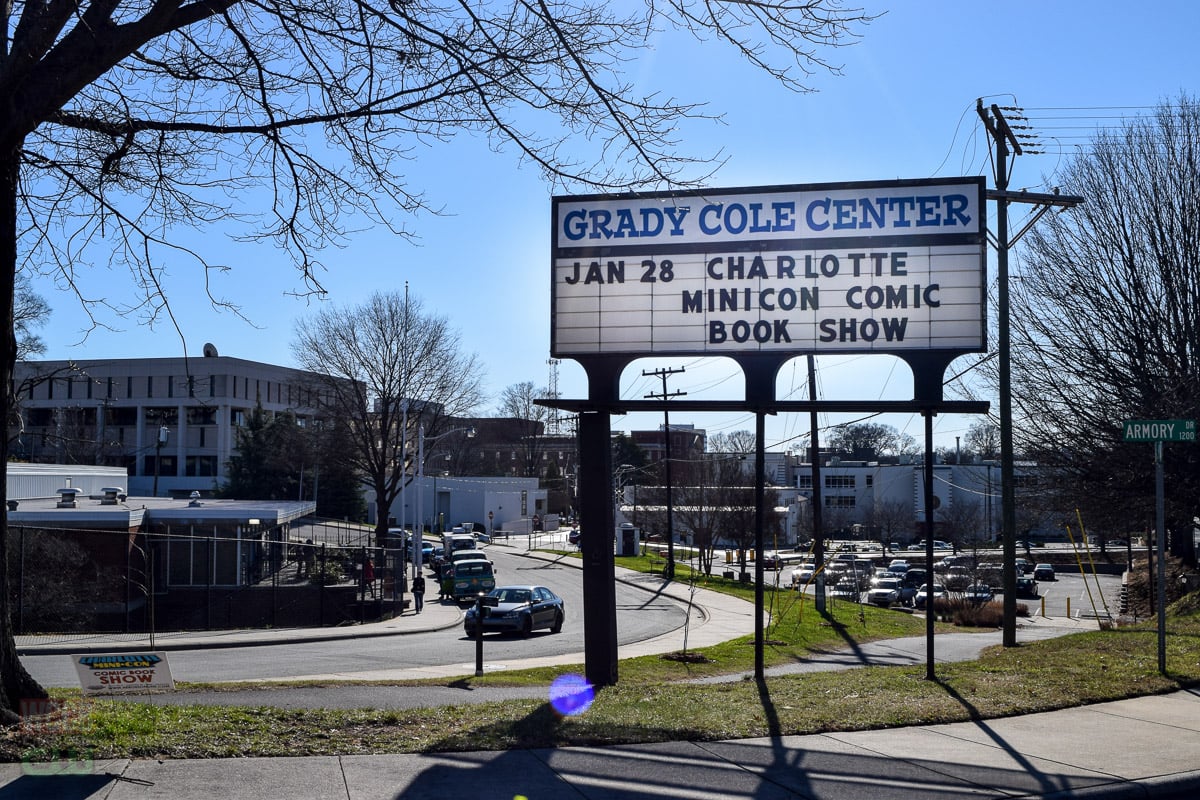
521 609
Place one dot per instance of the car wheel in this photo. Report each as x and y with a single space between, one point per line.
527 625
469 631
558 622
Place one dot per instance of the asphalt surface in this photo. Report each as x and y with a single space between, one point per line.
1140 748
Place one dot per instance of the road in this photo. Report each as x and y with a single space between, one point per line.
640 615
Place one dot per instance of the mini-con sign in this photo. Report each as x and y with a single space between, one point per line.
119 673
1159 430
872 267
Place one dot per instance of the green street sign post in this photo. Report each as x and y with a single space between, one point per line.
1159 431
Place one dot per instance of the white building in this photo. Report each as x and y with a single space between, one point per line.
872 494
508 502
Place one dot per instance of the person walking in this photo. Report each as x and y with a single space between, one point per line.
369 575
418 590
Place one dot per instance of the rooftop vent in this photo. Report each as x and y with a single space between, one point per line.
112 496
67 497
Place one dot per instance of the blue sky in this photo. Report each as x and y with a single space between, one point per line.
903 107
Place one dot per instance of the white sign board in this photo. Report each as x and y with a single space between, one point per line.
115 673
873 267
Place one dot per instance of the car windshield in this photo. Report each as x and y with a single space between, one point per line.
888 584
513 595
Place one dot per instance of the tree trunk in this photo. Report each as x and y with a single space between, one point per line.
16 684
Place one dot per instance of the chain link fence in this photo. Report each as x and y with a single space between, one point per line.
69 584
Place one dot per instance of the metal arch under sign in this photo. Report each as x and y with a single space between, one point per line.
760 275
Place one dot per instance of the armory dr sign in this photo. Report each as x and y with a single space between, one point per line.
860 267
1159 430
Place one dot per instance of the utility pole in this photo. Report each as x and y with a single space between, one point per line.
815 466
1002 135
663 374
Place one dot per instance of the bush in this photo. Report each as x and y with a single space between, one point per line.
326 573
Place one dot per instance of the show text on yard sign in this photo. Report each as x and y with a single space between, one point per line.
861 267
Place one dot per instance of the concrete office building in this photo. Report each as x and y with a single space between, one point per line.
170 422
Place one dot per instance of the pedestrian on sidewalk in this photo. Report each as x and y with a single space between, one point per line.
418 590
369 575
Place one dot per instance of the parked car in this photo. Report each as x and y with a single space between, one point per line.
1023 566
957 578
847 589
898 565
978 593
882 573
1044 572
888 592
915 577
803 574
520 609
1027 587
771 560
938 592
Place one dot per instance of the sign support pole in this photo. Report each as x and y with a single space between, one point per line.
1160 547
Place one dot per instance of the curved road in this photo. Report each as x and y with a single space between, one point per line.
640 615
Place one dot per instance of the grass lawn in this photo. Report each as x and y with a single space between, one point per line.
655 701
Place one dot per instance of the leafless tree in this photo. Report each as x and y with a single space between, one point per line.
30 311
735 442
983 440
869 440
392 370
894 521
962 524
528 423
1106 318
125 122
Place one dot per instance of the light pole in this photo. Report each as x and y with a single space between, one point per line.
163 433
419 533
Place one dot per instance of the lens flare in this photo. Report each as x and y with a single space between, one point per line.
571 695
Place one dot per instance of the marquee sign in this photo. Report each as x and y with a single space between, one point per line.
879 267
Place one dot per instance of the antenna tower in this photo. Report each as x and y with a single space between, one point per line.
555 426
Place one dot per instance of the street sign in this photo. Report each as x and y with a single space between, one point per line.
1159 430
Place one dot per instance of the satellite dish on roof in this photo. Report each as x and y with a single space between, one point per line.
210 350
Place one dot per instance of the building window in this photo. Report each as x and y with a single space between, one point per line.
804 481
839 482
149 386
170 386
870 481
129 387
40 417
201 466
109 389
201 415
839 501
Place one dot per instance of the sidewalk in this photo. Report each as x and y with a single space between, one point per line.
1141 748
